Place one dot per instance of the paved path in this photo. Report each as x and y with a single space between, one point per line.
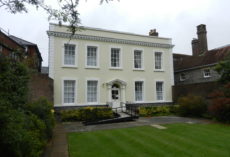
59 147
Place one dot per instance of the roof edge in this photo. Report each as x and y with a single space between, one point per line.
113 31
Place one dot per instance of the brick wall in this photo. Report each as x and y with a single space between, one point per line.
199 89
40 85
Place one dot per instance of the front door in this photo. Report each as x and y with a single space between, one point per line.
115 96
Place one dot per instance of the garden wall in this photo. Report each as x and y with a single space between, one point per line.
40 85
199 89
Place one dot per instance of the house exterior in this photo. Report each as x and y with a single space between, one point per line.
104 67
9 47
19 49
199 68
32 54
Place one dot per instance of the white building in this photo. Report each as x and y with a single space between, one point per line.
99 67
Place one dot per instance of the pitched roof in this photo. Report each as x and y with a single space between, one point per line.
26 43
21 41
210 57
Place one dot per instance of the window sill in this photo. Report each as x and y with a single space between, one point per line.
114 68
138 69
160 70
69 104
92 103
69 66
92 68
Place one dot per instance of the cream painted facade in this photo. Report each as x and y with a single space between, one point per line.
115 85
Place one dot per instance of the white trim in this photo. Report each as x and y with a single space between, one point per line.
143 92
155 90
142 59
75 94
97 55
63 54
111 31
51 56
162 61
98 91
209 73
120 58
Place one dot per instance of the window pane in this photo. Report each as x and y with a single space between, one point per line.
69 56
92 56
115 57
137 59
92 91
69 91
158 58
207 73
139 91
159 90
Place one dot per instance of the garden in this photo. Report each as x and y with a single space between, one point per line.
183 140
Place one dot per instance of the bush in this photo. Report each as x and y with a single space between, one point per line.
156 111
191 105
42 108
220 104
87 114
22 134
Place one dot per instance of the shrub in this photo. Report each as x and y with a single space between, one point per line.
21 135
220 104
156 111
42 108
191 105
87 114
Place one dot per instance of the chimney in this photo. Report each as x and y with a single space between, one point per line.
195 47
153 32
202 38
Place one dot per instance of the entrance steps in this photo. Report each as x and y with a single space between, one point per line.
122 118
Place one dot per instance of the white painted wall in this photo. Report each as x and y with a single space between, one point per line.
103 73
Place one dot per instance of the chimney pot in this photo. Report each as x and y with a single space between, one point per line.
153 32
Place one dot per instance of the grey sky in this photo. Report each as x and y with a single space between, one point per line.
176 19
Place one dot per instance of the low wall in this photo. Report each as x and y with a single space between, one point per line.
199 89
40 85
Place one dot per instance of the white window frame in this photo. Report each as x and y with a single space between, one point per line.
185 76
75 58
143 91
98 91
75 94
162 60
163 90
120 58
97 56
204 73
142 59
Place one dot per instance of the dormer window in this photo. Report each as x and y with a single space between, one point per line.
206 73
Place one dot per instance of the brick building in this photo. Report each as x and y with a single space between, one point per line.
199 67
20 49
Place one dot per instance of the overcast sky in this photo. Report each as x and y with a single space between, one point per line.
176 19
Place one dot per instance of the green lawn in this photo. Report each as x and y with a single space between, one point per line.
178 140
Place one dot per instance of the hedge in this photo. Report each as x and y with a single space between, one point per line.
87 114
156 111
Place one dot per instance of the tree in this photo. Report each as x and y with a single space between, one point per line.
67 11
223 68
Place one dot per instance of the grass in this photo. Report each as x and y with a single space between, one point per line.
178 140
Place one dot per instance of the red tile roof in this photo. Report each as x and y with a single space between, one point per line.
209 57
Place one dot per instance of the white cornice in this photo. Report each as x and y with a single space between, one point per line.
106 39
